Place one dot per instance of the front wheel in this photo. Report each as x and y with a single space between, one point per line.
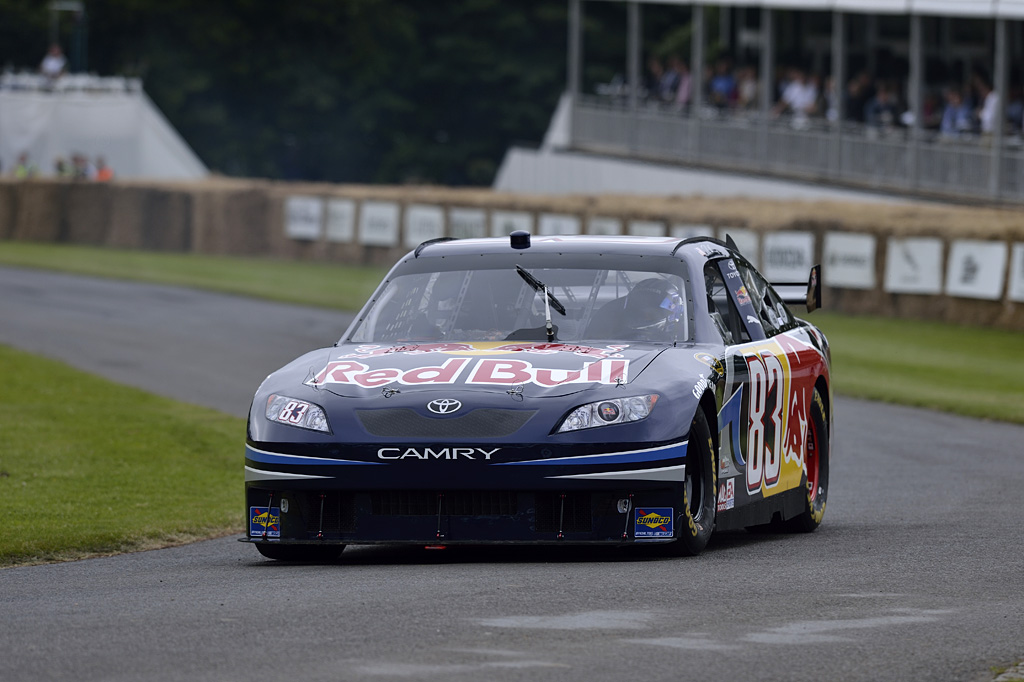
300 553
698 518
816 463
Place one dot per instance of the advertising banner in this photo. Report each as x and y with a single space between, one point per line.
504 223
422 222
849 260
558 223
467 223
302 217
647 228
687 230
746 240
604 226
788 256
977 269
913 266
378 223
341 220
1017 273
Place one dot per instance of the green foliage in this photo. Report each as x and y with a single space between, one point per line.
361 90
89 467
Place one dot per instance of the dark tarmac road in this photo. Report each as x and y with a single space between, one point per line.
916 573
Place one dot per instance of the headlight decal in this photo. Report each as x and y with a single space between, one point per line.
608 412
295 412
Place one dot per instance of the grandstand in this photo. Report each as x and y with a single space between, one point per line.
922 51
80 114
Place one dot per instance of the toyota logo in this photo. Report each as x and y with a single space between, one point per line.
444 406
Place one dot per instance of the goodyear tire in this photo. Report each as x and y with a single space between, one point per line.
816 459
695 524
300 553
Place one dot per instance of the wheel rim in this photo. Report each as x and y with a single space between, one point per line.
695 489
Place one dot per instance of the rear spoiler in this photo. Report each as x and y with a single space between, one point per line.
795 293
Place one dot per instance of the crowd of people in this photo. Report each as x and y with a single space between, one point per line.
77 167
956 111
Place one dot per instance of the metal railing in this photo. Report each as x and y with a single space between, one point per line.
808 149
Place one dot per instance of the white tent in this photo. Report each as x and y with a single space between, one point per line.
109 117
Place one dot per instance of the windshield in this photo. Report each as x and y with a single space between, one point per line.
499 305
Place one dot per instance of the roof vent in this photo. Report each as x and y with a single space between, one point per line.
520 239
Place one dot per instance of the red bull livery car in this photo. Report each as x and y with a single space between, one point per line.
573 390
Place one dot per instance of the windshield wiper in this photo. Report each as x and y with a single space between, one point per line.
549 297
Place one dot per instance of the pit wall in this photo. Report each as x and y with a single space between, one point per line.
928 261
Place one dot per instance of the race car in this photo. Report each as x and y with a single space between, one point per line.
549 390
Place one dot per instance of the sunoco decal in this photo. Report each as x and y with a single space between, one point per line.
653 522
260 521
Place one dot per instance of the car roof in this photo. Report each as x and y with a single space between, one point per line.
579 244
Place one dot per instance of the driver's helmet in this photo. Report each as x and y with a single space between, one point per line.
652 310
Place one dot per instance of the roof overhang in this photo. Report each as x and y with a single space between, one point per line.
990 9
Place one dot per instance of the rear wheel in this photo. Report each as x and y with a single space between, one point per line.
698 517
816 463
302 553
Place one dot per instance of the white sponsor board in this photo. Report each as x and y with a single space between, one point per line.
303 217
1017 273
558 223
604 226
688 230
341 220
467 223
977 269
503 223
647 228
423 222
747 241
913 266
788 256
378 223
849 261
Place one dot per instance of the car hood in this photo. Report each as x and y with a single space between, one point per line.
531 368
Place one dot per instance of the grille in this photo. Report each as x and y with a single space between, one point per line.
479 423
576 518
339 513
460 503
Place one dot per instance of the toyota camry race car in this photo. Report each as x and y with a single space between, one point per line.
575 390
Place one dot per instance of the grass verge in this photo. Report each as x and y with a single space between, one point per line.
344 287
89 467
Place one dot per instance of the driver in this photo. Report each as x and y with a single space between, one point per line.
652 310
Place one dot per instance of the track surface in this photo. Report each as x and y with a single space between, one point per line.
916 573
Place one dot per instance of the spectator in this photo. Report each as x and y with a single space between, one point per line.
882 110
54 63
723 85
1015 108
24 168
747 89
104 173
62 169
668 84
683 81
654 73
989 99
82 168
859 91
800 97
957 117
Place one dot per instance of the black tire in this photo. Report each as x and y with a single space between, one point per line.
816 461
697 520
300 553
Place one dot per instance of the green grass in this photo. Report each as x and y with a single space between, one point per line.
89 467
972 371
344 287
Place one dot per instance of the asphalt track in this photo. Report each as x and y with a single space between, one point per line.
916 573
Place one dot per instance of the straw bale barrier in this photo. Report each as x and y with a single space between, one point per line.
323 222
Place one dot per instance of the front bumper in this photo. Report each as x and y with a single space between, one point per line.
520 494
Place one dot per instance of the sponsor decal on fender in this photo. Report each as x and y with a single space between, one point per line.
492 371
726 495
653 522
